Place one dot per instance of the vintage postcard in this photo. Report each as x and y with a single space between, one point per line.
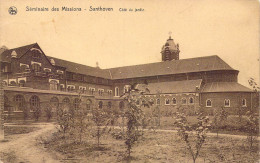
171 81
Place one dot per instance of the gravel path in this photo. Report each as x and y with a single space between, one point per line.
25 148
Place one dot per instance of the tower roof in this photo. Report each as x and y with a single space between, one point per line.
170 44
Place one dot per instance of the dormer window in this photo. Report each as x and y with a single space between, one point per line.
36 53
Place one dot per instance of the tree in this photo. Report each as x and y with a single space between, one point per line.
220 118
134 99
48 112
185 131
36 112
101 120
252 127
64 118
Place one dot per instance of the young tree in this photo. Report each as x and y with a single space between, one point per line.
48 112
64 119
185 131
220 118
134 114
101 121
36 112
252 127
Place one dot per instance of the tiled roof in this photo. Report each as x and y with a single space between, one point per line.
186 86
224 87
208 63
81 69
6 55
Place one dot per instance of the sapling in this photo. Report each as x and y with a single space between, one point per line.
185 131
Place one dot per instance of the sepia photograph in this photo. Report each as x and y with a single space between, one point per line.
171 81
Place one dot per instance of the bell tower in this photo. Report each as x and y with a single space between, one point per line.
170 51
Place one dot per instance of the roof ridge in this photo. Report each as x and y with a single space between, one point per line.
162 62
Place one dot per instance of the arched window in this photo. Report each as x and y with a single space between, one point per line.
167 101
12 83
34 102
158 101
117 92
89 102
121 105
19 102
76 103
109 105
36 67
208 103
53 85
191 100
174 101
66 100
183 101
100 104
227 103
244 102
54 102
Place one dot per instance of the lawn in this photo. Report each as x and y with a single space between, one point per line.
152 147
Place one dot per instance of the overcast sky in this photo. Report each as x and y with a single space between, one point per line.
229 29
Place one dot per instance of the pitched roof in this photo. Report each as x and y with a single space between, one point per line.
81 69
6 55
208 63
185 86
224 87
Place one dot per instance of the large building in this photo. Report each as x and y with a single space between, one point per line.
33 79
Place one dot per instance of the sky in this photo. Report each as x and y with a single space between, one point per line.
229 29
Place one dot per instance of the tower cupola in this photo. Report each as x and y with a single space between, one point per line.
170 50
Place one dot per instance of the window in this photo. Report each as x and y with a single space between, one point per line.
89 102
167 101
76 103
92 90
62 87
21 83
158 101
227 103
66 102
127 88
244 102
54 102
174 101
70 88
36 67
19 102
100 104
12 83
183 101
53 85
191 100
6 104
100 92
34 102
109 105
47 69
121 105
117 92
109 92
208 103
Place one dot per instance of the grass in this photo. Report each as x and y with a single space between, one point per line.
11 130
153 147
